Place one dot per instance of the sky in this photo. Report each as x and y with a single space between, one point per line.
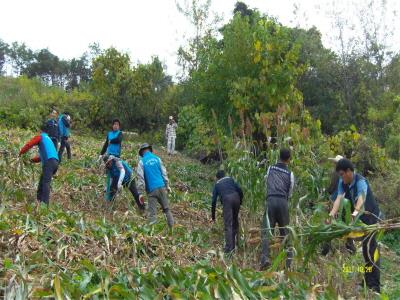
145 28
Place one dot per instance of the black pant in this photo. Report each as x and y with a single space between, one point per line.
132 188
48 170
64 145
277 212
369 245
231 207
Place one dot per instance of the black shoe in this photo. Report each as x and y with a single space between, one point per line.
376 289
350 247
265 265
325 249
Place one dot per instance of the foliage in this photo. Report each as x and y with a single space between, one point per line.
240 79
194 132
122 90
80 247
27 102
362 150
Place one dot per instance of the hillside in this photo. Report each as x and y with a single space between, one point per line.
82 247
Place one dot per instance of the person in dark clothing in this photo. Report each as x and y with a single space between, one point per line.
356 188
121 176
52 128
279 183
231 196
48 157
332 191
64 125
112 145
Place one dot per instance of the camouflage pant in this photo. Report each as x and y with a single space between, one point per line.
171 144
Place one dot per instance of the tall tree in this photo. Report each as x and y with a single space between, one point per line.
3 54
20 57
204 23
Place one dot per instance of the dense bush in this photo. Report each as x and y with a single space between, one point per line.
27 102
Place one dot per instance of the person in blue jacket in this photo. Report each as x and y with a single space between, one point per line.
153 178
48 157
112 145
64 130
121 176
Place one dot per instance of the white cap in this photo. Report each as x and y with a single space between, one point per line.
171 117
336 159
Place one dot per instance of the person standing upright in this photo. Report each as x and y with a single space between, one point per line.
52 127
112 145
279 183
170 135
64 129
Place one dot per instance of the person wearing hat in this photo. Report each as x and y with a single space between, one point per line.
333 192
121 176
64 124
332 188
231 196
153 179
356 188
112 145
48 157
170 135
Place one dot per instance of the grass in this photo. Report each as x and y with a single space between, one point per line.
81 248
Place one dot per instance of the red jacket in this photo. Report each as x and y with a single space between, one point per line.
33 142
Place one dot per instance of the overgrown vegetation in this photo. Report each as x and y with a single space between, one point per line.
248 88
80 247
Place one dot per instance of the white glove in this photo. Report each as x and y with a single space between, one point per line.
169 189
119 187
100 157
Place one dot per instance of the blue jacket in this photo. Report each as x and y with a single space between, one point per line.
63 126
47 150
152 174
115 170
112 145
358 187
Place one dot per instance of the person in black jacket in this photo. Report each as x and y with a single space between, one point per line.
231 196
52 128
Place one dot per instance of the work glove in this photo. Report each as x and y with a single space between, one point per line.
141 199
100 157
119 187
169 190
